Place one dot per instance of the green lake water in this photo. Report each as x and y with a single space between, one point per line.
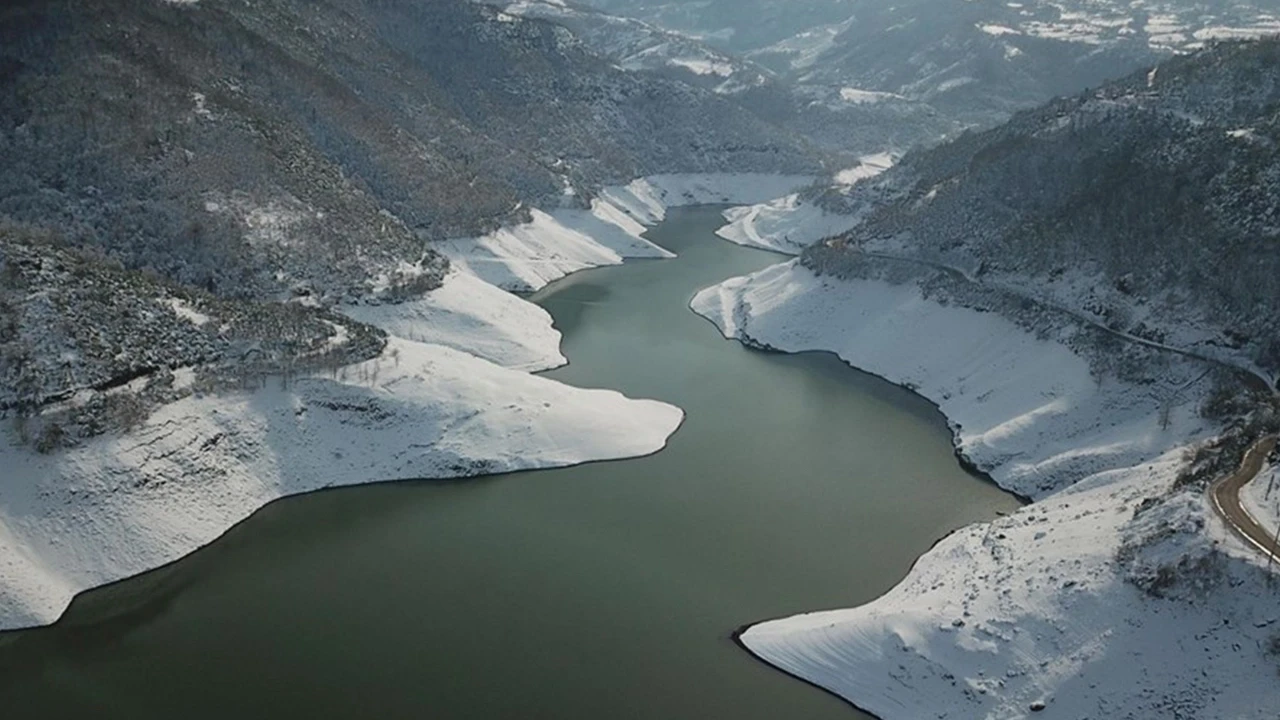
607 591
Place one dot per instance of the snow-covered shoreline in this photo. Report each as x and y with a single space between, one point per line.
450 396
1048 605
528 257
790 223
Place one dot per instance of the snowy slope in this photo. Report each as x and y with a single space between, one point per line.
1088 603
471 315
527 257
1033 608
121 505
1147 204
1030 410
791 223
450 396
786 225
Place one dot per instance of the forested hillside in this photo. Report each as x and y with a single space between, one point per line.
153 131
1149 204
307 152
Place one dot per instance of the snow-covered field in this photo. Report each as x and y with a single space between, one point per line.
1087 603
451 396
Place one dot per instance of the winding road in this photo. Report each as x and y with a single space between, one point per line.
1252 378
1225 496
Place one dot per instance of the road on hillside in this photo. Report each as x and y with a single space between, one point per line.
1225 497
1225 493
1252 378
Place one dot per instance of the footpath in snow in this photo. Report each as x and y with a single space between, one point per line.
1109 596
451 396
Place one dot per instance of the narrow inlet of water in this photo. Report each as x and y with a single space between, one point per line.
605 591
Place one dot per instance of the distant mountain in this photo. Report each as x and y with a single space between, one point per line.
638 45
1148 204
844 125
739 26
307 150
975 61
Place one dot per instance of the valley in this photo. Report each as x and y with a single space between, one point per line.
579 592
499 359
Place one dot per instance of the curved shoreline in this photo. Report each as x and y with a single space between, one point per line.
163 469
328 489
807 391
962 459
1042 606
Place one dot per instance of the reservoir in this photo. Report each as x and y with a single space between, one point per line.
608 591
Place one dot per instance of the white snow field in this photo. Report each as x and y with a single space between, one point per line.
786 225
124 504
469 314
451 396
1038 613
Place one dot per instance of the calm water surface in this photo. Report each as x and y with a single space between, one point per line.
604 591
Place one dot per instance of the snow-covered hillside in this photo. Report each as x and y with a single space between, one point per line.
1110 595
1145 206
1033 411
638 45
972 61
450 394
791 223
263 163
527 257
841 123
1120 591
122 504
